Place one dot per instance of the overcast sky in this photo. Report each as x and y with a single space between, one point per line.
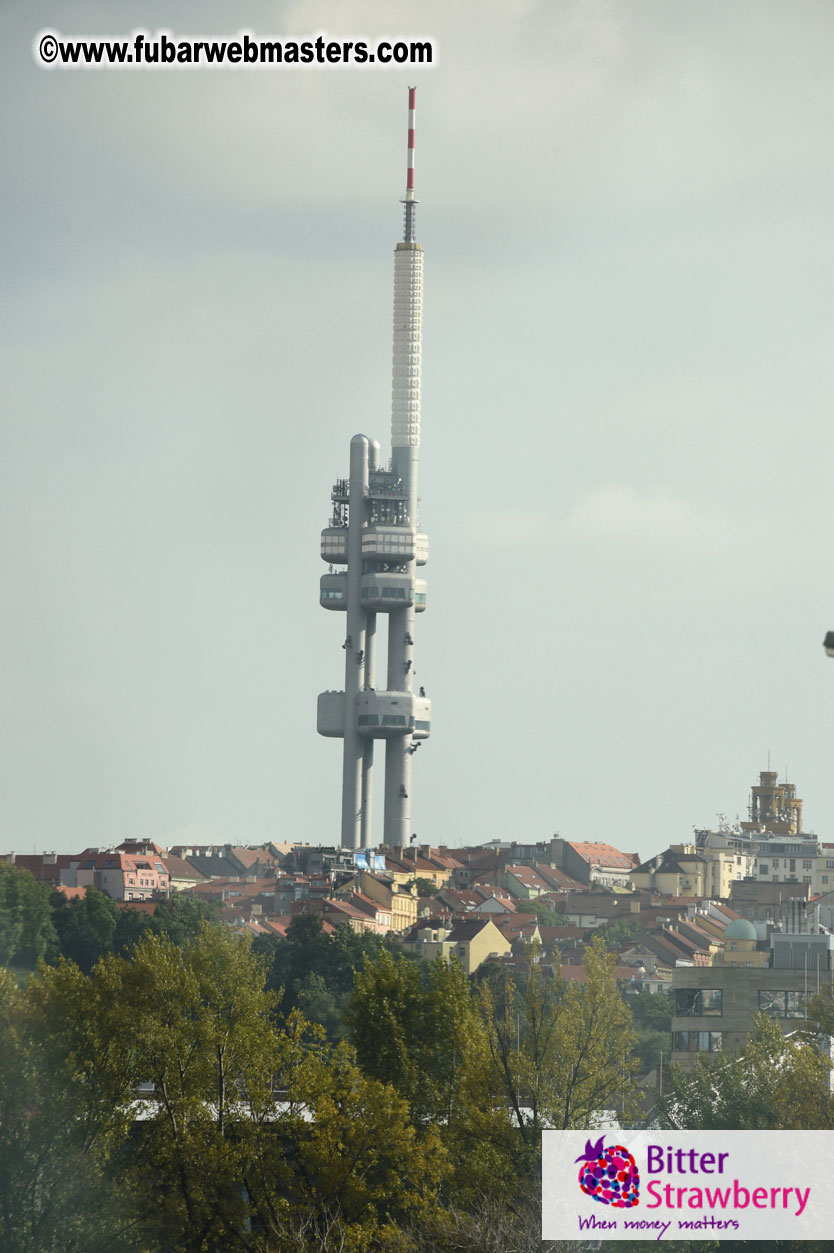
627 441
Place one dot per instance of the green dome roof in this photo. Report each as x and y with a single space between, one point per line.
740 929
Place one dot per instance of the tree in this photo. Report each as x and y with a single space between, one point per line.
182 916
385 1021
425 887
778 1082
546 914
618 932
61 1116
418 1027
559 1051
131 925
85 926
11 913
26 930
341 1167
651 1014
194 1019
314 971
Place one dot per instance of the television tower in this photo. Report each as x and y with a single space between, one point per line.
373 533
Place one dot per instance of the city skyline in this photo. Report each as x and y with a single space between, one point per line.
626 403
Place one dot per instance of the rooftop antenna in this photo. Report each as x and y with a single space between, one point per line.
409 200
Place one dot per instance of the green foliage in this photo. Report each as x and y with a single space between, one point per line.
652 1011
194 1020
37 922
58 1119
27 933
651 1014
419 1028
314 971
425 887
617 933
546 914
559 1051
85 926
342 1168
776 1083
182 916
415 1026
205 1160
821 1013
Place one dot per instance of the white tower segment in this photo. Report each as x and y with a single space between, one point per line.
374 532
405 443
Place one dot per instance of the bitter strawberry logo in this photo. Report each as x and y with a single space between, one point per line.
609 1175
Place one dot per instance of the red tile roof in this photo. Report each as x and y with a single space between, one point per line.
179 868
138 907
518 926
557 879
529 877
44 872
604 855
71 893
580 975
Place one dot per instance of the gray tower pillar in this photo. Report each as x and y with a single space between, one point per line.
352 761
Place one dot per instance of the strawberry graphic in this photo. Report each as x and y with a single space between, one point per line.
609 1175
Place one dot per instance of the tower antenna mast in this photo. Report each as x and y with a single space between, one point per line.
409 200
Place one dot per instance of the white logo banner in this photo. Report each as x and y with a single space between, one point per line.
698 1185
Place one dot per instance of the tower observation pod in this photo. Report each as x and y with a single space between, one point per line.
373 549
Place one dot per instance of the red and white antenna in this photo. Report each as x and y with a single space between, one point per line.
412 109
409 200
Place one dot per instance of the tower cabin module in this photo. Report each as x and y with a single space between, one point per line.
373 549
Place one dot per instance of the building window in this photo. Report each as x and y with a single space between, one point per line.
825 878
698 1002
698 1041
368 720
795 1004
806 865
793 865
782 1004
829 865
763 869
775 863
